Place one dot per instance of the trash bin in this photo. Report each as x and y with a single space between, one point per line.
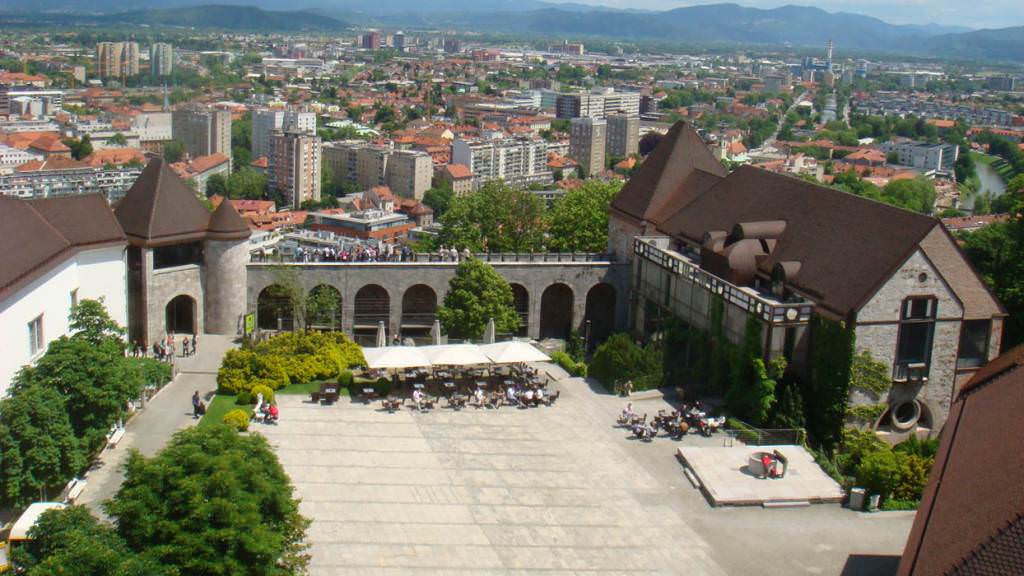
873 502
857 499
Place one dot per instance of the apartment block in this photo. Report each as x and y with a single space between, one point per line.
294 167
161 59
406 172
587 143
203 131
516 161
117 59
265 122
623 134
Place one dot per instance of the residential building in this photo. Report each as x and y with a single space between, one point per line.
801 263
161 59
154 128
971 516
42 143
364 165
65 250
517 161
60 176
265 122
117 59
294 166
587 142
365 224
203 131
597 104
452 45
50 100
371 40
11 157
398 41
923 155
199 170
458 177
623 134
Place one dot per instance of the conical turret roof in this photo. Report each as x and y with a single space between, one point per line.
227 224
160 208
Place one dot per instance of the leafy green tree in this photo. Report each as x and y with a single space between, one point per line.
90 320
619 359
213 502
174 150
475 295
73 541
118 139
246 183
41 452
241 158
578 222
917 194
496 218
217 184
439 198
241 132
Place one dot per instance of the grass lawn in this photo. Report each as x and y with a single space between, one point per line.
983 158
218 407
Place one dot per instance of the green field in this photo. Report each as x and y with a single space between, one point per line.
219 406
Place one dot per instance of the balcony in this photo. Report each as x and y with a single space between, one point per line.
910 372
763 305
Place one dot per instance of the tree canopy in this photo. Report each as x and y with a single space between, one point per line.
497 218
475 295
578 222
213 502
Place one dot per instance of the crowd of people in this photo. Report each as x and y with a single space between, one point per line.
167 349
356 253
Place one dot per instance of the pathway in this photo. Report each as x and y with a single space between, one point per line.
166 413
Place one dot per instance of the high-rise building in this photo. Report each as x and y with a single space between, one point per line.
202 131
587 137
398 41
294 167
265 122
517 161
623 134
452 45
161 59
371 40
117 59
406 172
596 104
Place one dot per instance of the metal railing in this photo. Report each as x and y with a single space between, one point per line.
754 436
438 258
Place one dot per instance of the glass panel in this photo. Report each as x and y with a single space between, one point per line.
974 335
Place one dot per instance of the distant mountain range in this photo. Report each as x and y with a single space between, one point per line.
720 24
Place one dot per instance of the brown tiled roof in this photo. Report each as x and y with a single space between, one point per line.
955 268
969 521
161 209
846 245
226 224
43 233
657 188
458 171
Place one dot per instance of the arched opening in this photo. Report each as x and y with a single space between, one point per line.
372 306
181 315
323 308
419 309
274 309
521 301
599 318
556 312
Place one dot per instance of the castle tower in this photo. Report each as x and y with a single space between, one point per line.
224 258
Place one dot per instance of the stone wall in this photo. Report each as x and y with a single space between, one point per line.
162 286
225 285
397 278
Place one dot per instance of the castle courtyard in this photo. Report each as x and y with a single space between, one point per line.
551 490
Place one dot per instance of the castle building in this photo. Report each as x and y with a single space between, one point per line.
185 266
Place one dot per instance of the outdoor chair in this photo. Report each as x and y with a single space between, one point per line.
552 398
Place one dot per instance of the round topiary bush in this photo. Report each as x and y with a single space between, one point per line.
345 379
244 398
237 419
268 394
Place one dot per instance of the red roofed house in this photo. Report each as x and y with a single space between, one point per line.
200 169
459 177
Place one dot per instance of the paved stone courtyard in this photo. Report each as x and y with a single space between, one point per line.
552 491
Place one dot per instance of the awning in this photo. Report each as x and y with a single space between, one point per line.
513 351
396 357
456 355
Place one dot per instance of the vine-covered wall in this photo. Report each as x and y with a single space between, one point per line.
827 394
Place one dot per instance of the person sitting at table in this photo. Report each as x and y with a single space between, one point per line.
528 397
479 395
538 395
417 398
510 395
627 413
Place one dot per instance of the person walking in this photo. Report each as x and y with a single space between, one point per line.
197 406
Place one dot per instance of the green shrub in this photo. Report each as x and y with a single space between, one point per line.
866 413
568 364
268 394
290 358
237 419
244 398
346 379
892 505
619 359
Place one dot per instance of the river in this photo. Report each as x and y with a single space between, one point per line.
991 183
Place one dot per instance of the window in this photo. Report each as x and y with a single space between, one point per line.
914 343
74 297
35 335
974 335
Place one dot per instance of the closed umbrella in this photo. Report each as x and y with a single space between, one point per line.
489 332
382 336
435 332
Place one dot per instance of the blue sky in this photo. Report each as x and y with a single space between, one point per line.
983 14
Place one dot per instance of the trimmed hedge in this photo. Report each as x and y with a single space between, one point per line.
619 359
568 364
290 358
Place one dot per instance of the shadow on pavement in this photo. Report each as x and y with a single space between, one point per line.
870 565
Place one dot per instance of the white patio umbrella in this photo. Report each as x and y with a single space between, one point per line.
455 355
435 332
385 357
513 352
382 336
489 332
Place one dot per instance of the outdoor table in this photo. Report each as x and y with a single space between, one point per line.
329 392
418 386
368 394
509 383
481 384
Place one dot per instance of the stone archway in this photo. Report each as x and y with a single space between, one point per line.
180 315
521 301
274 309
419 309
323 308
372 305
556 311
599 317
